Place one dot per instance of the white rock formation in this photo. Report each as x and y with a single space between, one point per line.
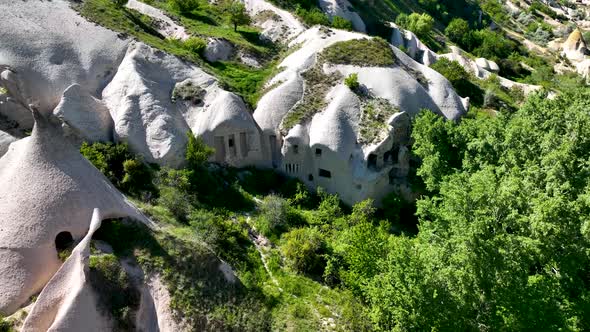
140 98
488 65
278 25
343 8
324 151
68 303
574 48
48 188
50 47
218 49
165 25
83 116
407 40
471 66
5 141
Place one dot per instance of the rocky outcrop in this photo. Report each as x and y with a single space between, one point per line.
325 150
574 48
155 99
344 9
277 25
164 24
407 40
50 47
84 117
48 188
488 65
68 302
5 141
218 49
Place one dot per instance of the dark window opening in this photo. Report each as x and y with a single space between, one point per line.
310 177
295 149
63 241
230 142
318 152
359 187
372 163
325 174
387 157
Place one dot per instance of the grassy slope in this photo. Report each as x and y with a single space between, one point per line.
204 22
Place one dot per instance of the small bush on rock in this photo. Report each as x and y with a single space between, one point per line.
352 81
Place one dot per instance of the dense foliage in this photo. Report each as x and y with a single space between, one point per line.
503 241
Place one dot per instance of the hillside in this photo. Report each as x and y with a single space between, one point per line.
274 165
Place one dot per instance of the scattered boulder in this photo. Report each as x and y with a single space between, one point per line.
84 117
488 65
574 47
218 49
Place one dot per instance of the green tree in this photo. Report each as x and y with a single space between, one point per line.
420 24
303 249
120 3
458 32
352 81
237 14
197 152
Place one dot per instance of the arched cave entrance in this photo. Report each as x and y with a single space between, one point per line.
63 241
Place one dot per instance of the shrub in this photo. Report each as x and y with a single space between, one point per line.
195 45
197 152
120 3
420 24
375 52
177 201
460 79
341 23
274 214
6 326
352 81
183 6
303 249
313 16
458 31
110 159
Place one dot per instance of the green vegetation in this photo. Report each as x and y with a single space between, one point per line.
341 23
237 13
121 167
352 81
183 6
201 20
6 326
420 24
374 52
375 114
118 298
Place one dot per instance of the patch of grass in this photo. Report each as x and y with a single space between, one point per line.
317 85
374 52
373 124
